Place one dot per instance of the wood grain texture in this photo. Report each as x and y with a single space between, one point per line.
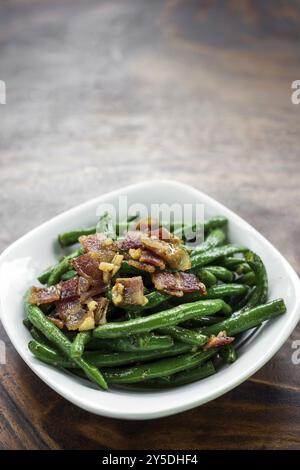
105 93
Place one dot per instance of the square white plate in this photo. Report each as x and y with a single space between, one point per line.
26 258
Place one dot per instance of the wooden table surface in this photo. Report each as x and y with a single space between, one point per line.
101 94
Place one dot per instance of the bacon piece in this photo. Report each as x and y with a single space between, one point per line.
69 289
129 291
175 255
190 283
92 242
142 266
132 240
216 341
88 267
74 316
177 283
104 247
65 308
147 225
101 311
94 290
56 321
83 285
44 295
150 258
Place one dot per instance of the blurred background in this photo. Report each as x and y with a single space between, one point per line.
105 93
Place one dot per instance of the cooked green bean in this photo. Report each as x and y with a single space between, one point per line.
221 273
228 353
215 222
215 238
215 292
80 341
49 355
146 342
58 271
162 368
69 275
71 237
208 278
181 378
248 278
44 277
184 335
231 262
260 293
159 320
41 322
248 319
209 256
242 268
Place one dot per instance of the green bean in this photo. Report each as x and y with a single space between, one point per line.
215 238
157 298
242 268
248 319
215 292
208 278
38 336
201 322
69 238
159 320
27 324
162 368
248 278
260 293
184 335
44 277
231 262
38 319
207 257
69 275
228 353
51 356
144 342
181 378
182 230
79 343
215 222
240 302
221 273
58 271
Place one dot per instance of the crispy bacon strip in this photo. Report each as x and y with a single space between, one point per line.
69 289
216 341
129 291
88 267
150 258
74 316
44 295
177 283
175 255
101 311
142 266
132 240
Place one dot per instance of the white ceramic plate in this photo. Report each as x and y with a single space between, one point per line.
27 257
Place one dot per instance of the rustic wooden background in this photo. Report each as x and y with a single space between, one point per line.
105 93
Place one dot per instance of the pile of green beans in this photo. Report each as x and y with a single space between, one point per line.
160 344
